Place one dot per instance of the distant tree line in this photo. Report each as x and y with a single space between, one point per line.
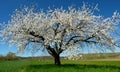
9 56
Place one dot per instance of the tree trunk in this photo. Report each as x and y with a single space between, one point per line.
54 54
57 59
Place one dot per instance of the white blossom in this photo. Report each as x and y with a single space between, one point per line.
73 26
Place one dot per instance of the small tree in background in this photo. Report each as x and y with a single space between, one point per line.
1 57
61 30
10 56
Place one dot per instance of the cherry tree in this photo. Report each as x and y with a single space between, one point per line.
59 30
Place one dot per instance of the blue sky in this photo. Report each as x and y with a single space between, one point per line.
7 7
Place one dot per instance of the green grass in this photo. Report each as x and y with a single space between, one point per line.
67 66
12 66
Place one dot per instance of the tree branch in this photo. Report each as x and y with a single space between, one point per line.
38 36
83 40
71 39
55 30
62 36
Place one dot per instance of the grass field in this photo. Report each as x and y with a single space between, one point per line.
67 66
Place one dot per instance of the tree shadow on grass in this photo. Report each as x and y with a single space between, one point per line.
73 66
50 66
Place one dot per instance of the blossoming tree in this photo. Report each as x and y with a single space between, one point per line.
61 30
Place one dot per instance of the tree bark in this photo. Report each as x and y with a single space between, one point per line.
57 59
54 54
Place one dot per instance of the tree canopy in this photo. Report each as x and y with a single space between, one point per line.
59 30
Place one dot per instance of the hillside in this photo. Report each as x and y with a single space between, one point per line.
89 56
102 56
